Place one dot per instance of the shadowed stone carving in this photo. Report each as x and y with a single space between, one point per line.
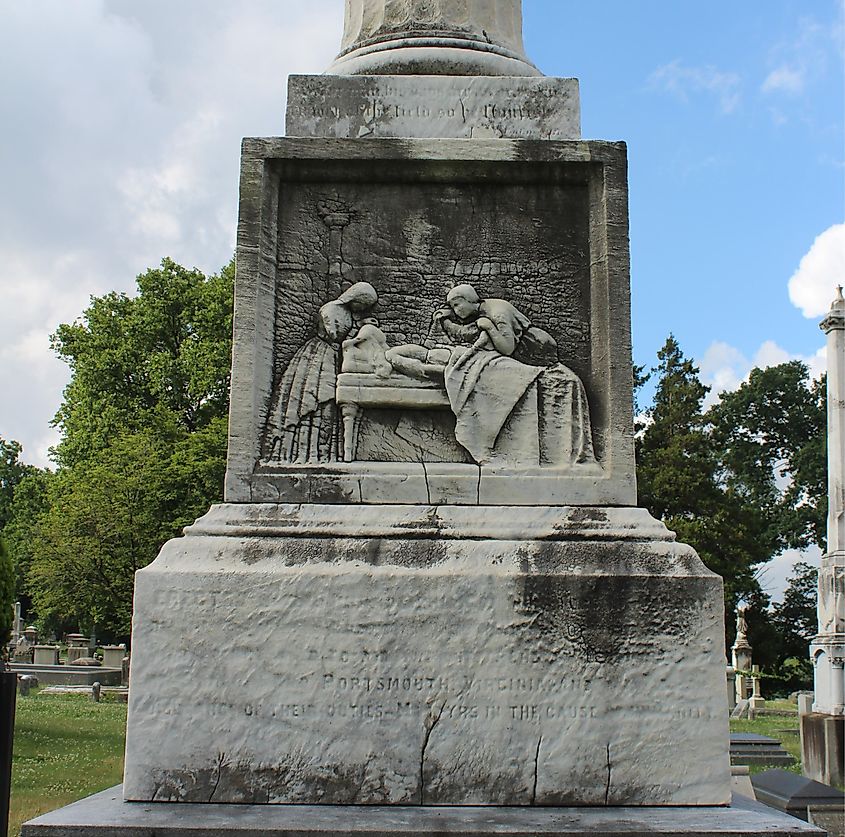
304 424
514 403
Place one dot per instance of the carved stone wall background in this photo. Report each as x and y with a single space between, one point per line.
528 245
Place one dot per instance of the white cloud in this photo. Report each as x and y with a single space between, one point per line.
127 121
785 79
813 285
724 367
684 82
774 575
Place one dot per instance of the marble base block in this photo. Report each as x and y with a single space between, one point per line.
105 815
452 107
400 655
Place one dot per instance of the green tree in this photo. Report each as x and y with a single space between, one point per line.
109 517
167 348
7 595
29 505
678 478
142 454
795 617
12 471
771 437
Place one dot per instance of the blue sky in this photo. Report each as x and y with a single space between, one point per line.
122 123
733 115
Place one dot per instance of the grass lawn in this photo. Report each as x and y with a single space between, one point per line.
781 728
66 747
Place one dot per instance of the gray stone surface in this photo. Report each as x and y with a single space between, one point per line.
462 107
831 820
792 793
541 224
105 815
421 655
823 747
454 37
750 748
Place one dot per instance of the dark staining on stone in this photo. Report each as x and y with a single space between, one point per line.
587 514
221 763
476 771
295 780
605 618
253 551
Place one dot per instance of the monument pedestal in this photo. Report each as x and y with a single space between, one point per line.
823 747
105 815
427 655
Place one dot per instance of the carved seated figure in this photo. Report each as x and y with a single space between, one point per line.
514 403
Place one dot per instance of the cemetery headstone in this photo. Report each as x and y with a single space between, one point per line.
741 654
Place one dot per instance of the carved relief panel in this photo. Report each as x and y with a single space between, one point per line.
446 320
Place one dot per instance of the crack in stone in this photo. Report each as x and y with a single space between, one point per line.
431 723
221 760
536 771
478 488
609 769
427 484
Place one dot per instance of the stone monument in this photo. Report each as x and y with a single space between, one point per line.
429 585
823 730
741 654
430 535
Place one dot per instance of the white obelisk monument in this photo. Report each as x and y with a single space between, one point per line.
822 733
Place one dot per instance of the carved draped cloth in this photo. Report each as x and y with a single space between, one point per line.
513 413
304 424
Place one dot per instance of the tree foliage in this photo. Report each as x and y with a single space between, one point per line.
795 617
109 516
12 471
29 504
143 445
741 482
167 349
678 477
771 437
7 595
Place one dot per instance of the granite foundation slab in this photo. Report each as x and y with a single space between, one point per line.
427 656
105 815
454 107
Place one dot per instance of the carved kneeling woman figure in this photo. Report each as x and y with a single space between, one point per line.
304 425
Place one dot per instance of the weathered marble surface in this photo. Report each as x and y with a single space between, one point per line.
463 107
540 224
423 655
456 37
828 647
106 815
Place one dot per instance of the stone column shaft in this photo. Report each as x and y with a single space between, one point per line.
433 37
828 648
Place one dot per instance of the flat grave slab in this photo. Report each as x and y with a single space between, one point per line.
105 815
